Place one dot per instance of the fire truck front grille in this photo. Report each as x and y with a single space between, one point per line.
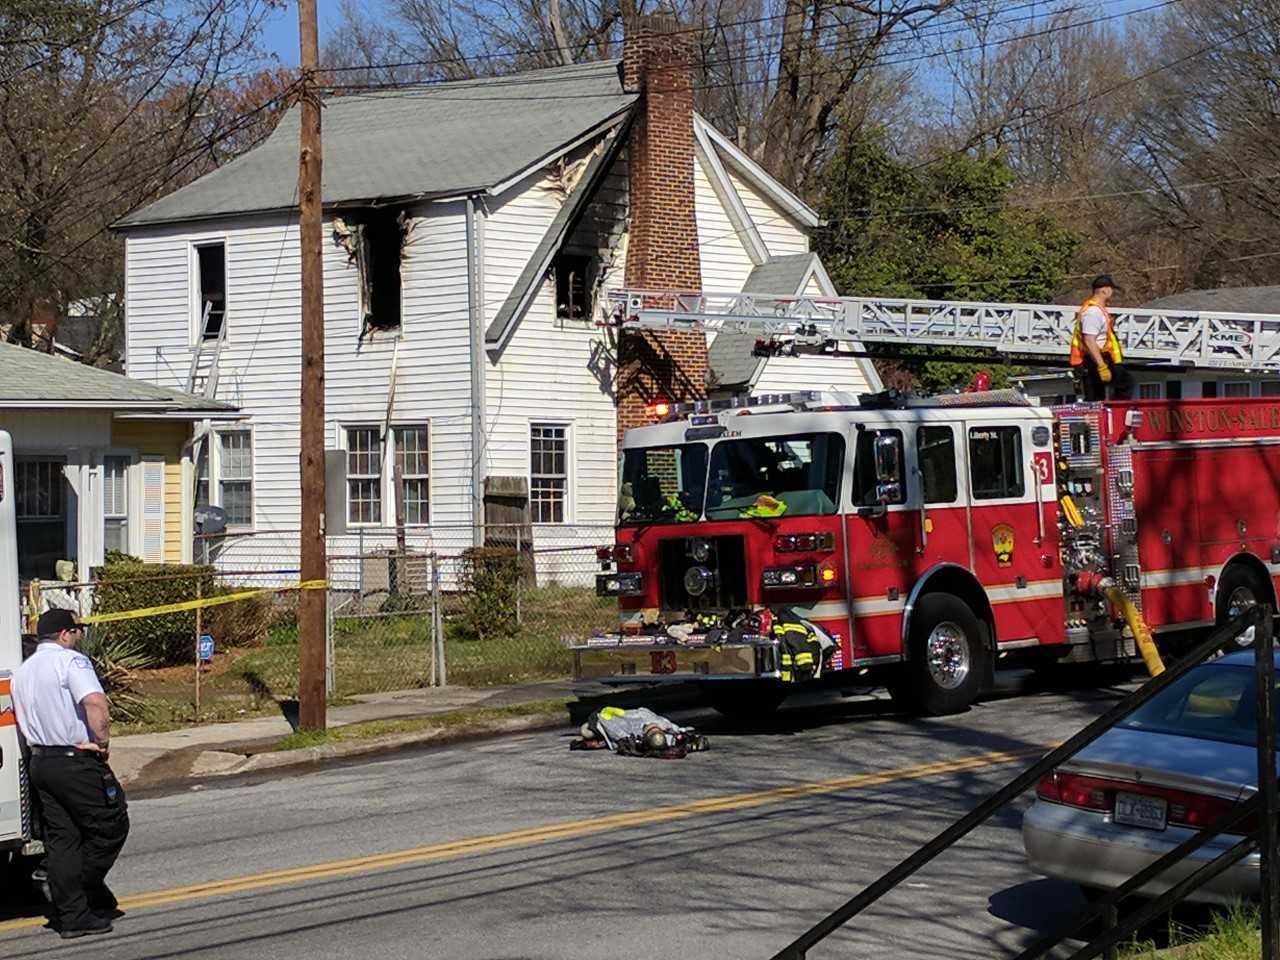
721 582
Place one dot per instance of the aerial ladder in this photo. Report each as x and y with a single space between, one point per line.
792 324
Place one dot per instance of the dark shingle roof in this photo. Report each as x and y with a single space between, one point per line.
730 357
1223 299
31 378
436 140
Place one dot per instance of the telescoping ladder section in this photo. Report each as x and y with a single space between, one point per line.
800 324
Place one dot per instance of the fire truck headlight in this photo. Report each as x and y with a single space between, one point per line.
619 584
700 550
697 580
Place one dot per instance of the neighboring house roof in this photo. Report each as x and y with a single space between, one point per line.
422 142
30 379
730 358
1222 299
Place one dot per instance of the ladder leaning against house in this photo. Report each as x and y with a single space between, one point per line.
202 375
790 325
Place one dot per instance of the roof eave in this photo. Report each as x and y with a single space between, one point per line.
760 178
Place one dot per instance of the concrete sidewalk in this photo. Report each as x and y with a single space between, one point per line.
221 749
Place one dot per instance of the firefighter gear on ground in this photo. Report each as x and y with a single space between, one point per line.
638 733
802 647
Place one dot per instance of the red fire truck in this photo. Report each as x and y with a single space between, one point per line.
929 539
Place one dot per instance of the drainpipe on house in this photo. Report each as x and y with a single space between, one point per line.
475 313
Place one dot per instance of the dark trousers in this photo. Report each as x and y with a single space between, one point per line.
86 821
1094 389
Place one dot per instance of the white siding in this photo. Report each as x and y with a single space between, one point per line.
724 260
780 233
260 363
548 373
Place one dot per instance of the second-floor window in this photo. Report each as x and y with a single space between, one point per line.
211 290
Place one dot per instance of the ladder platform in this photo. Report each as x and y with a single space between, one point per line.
1245 342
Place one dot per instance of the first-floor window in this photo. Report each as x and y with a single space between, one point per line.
41 505
548 471
115 503
224 474
1151 391
364 475
413 467
375 467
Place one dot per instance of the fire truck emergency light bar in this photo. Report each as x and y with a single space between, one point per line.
801 324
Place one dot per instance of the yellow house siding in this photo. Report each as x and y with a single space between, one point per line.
161 440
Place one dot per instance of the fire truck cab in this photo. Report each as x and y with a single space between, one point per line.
15 822
930 538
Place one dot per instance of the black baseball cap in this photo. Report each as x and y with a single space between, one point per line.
53 622
1104 280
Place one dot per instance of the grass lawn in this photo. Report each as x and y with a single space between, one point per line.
386 652
1233 935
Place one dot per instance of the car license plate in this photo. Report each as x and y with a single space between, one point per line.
1151 813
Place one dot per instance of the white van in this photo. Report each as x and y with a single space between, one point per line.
16 845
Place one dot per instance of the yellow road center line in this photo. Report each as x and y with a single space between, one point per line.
548 833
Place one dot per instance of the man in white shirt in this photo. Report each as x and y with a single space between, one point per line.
63 714
1096 356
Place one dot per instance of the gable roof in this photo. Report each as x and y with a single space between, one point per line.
422 142
31 379
1224 299
731 357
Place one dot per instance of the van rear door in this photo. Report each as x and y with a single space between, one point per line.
11 827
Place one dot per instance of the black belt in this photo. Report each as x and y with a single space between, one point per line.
41 751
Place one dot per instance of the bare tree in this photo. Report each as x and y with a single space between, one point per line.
104 106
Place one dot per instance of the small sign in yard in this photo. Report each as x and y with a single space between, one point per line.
205 647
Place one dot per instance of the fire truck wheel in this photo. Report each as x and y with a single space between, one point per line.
1238 590
746 700
946 657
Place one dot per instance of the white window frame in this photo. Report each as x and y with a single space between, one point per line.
387 463
569 479
132 499
212 444
194 290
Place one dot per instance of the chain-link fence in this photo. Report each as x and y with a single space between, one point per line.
462 606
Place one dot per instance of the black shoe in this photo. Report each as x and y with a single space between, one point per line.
96 924
109 913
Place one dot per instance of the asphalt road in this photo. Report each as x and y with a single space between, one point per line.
518 848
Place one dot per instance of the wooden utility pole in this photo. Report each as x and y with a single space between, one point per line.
311 603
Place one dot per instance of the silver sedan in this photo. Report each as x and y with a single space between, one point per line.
1174 765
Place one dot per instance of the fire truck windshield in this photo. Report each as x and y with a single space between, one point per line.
662 484
775 476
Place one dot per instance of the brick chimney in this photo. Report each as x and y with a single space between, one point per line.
662 248
44 324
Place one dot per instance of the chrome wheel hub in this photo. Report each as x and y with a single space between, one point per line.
947 655
1241 599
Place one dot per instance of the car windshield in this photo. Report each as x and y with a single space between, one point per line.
662 484
796 475
1212 702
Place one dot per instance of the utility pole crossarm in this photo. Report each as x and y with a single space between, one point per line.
1230 341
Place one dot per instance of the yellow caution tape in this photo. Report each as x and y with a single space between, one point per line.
185 605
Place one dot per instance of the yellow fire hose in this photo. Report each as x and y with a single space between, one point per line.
1137 626
1141 632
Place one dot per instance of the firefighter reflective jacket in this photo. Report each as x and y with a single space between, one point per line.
799 649
1078 349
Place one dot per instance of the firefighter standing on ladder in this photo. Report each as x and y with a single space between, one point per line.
1096 358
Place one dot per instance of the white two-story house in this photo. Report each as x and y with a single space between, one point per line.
471 229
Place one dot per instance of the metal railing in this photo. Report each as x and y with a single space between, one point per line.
1117 929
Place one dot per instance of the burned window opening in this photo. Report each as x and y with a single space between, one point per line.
575 283
211 261
375 242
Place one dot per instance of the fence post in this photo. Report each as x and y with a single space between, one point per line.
199 623
1269 881
519 574
330 680
437 617
33 605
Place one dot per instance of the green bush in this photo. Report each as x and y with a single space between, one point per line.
245 623
127 584
489 584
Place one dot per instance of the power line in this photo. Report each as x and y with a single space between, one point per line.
441 89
